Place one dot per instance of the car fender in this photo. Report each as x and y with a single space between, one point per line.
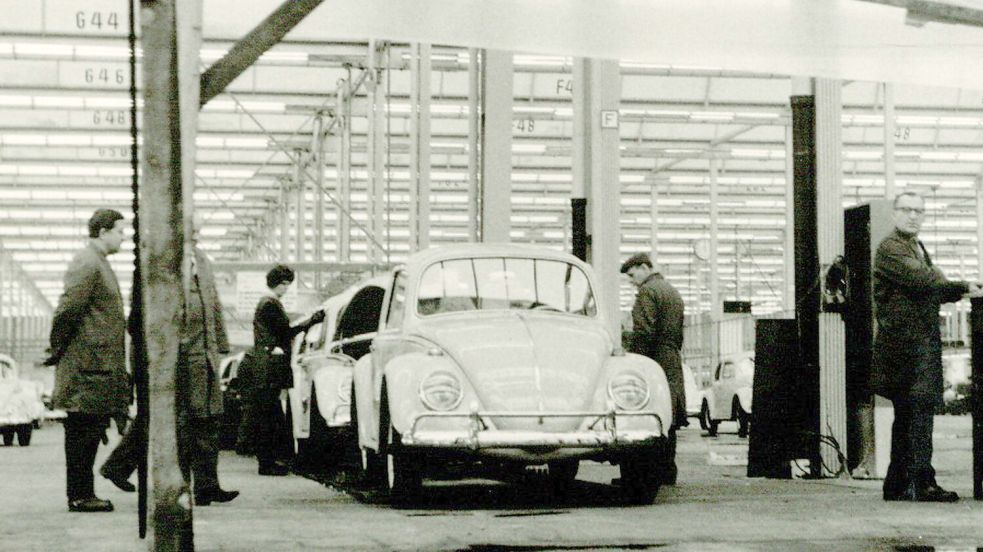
365 405
710 397
403 375
327 380
744 395
660 400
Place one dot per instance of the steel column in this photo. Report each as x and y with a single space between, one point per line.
376 148
318 153
716 307
496 146
300 182
788 255
474 127
344 119
419 216
829 209
889 130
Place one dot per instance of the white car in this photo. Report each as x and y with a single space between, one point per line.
492 358
21 407
320 401
729 396
694 395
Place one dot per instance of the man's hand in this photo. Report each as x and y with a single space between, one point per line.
317 317
122 421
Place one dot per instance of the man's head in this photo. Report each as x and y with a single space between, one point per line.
106 225
638 267
279 278
909 213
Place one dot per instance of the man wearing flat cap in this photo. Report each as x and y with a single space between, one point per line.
657 332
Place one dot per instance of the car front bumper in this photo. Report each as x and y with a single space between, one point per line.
602 432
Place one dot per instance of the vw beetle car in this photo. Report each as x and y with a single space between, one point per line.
321 397
497 356
21 407
729 395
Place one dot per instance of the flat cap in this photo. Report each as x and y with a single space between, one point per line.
637 259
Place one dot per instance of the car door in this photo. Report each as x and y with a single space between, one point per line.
725 389
368 369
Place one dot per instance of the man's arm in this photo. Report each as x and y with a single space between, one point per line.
895 263
80 281
647 322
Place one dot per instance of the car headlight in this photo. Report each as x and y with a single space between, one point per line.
629 391
441 391
345 390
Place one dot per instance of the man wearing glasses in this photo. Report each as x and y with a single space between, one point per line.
907 359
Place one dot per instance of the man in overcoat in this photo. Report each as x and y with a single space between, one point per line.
657 332
87 344
907 356
203 343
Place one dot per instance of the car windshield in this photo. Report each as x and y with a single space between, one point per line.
505 283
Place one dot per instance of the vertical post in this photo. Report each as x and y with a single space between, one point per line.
788 254
300 181
318 153
654 213
596 128
829 209
344 170
375 149
496 145
474 123
716 307
171 86
976 394
419 219
889 129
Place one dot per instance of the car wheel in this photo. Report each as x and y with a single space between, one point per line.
710 424
639 477
403 479
562 474
8 437
704 416
24 435
743 420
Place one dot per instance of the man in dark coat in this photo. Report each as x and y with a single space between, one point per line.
268 366
907 357
203 343
88 342
657 332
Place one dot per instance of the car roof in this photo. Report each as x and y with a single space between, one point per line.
472 250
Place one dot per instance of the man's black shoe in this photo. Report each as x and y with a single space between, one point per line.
120 482
929 493
204 498
275 469
90 505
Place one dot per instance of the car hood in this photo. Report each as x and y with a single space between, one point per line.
527 362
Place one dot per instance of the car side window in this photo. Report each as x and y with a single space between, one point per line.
728 371
397 303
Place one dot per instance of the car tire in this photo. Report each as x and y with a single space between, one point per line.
8 437
743 419
24 435
403 477
562 474
639 478
707 423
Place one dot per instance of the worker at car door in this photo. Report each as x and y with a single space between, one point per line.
657 332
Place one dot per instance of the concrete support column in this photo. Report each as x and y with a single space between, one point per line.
419 147
376 149
597 95
496 146
474 129
829 208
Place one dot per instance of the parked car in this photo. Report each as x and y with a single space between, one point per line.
21 407
729 396
497 357
694 394
231 400
321 397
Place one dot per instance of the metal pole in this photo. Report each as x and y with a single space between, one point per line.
318 151
654 213
474 122
976 395
345 167
376 134
715 306
284 222
300 183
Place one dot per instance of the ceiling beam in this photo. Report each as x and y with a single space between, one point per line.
245 52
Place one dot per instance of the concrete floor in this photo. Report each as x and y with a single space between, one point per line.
712 508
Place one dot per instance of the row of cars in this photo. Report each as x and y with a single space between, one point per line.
726 398
491 358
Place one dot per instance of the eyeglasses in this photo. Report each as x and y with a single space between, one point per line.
908 211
